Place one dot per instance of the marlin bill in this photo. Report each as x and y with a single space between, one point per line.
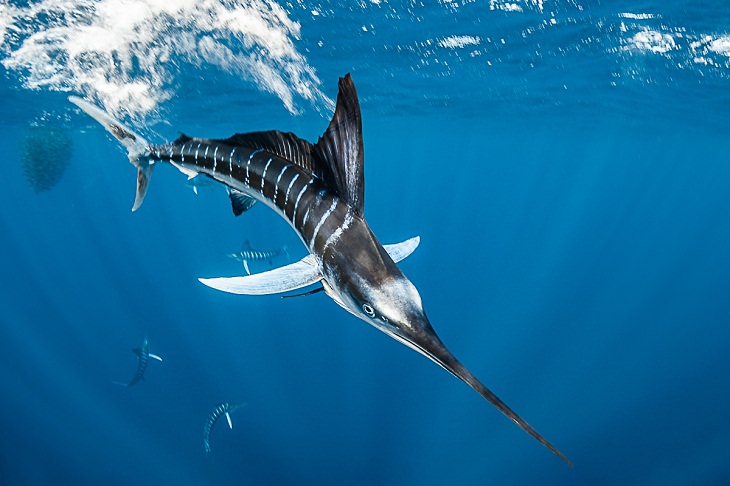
318 188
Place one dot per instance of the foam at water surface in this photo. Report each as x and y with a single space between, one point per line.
125 53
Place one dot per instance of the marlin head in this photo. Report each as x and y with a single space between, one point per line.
368 284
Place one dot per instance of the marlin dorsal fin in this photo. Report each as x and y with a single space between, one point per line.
341 148
337 157
282 144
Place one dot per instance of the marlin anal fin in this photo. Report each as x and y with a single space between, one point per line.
190 173
293 276
137 147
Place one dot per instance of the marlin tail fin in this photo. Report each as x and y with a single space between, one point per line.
137 147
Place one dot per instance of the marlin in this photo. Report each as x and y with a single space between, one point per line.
224 408
318 188
143 357
248 254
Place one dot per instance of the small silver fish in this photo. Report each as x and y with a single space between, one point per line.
248 254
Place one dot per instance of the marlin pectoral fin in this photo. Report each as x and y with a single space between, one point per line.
399 251
154 356
282 279
293 276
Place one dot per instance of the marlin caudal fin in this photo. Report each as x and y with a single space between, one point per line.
137 147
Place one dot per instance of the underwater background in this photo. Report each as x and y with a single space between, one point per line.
564 163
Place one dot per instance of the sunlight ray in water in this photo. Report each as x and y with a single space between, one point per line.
126 54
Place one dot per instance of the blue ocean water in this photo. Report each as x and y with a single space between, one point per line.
564 163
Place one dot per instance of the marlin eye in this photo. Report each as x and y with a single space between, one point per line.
368 309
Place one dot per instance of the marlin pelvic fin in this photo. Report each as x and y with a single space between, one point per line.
137 147
293 276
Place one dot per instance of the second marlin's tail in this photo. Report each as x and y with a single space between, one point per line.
137 147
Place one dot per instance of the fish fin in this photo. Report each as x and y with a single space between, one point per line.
245 266
189 173
154 356
182 139
240 202
400 251
283 279
303 294
337 158
230 422
138 352
137 147
285 145
341 147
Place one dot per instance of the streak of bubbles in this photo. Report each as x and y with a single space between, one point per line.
125 54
